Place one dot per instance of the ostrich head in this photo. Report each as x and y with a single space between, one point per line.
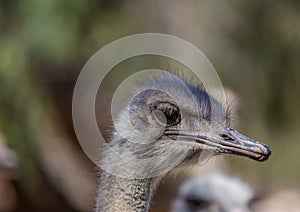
214 192
173 121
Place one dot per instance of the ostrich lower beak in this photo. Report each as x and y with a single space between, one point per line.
229 142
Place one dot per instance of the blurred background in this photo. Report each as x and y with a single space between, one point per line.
254 46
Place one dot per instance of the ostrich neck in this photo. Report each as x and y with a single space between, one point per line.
117 194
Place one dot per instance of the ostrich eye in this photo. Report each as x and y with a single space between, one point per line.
196 203
167 114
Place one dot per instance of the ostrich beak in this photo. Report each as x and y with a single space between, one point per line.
229 141
233 142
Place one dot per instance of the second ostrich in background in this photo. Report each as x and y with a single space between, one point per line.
214 192
172 120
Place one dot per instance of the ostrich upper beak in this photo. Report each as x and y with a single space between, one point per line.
229 141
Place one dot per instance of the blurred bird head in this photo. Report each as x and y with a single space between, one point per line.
214 192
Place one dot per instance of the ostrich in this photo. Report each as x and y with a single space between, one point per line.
174 122
214 192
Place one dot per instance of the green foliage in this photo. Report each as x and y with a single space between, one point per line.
37 35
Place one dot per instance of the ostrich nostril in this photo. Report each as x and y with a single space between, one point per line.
227 137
